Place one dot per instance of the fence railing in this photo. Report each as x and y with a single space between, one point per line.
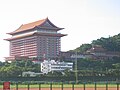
62 86
63 78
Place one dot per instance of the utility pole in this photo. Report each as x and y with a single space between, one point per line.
76 71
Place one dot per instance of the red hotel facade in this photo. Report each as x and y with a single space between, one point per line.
38 40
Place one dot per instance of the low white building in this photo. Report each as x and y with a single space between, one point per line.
31 74
52 65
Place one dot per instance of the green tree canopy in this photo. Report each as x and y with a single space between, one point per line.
110 44
83 48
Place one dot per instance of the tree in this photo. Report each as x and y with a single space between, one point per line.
10 71
116 65
83 48
110 44
54 73
68 73
1 63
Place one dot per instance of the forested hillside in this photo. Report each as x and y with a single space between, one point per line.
111 66
110 44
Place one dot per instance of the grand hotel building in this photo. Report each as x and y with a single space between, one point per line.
39 39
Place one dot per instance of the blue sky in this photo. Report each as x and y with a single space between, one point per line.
83 20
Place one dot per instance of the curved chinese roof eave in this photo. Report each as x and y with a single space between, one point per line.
29 26
39 34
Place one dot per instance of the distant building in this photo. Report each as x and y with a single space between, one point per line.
97 52
37 40
81 56
52 65
30 74
71 56
66 56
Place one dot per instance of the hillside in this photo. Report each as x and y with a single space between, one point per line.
110 44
